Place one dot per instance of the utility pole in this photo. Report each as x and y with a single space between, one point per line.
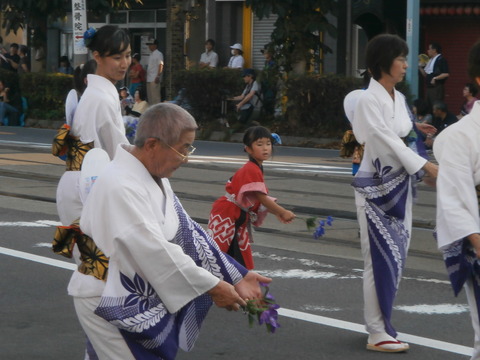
412 32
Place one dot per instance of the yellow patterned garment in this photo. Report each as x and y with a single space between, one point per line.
66 145
94 262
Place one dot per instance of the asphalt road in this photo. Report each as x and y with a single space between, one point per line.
317 283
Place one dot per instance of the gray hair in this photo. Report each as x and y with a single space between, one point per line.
164 121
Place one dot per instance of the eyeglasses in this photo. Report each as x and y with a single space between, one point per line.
184 157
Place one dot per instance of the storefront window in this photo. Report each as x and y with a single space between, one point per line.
119 18
142 16
162 15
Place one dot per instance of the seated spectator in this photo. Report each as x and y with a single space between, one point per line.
441 119
126 99
181 100
10 105
136 74
133 113
140 104
469 92
65 67
247 100
209 59
420 111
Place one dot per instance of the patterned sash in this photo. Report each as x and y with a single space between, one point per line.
385 194
93 260
150 331
462 264
70 148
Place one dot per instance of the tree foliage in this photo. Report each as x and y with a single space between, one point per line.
36 14
296 36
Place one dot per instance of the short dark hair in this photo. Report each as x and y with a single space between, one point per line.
254 133
109 40
421 105
210 41
14 45
440 105
474 61
141 93
471 88
382 51
436 46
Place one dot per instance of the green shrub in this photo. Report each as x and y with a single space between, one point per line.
315 105
205 88
46 94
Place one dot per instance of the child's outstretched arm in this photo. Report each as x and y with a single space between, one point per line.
283 215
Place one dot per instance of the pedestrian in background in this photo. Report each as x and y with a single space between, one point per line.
435 73
136 74
469 93
236 60
154 73
208 59
384 185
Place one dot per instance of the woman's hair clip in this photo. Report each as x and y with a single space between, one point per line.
89 35
276 139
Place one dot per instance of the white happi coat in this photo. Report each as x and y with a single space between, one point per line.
133 221
457 150
380 123
98 117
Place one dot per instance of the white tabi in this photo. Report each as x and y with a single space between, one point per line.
457 150
97 118
383 189
133 220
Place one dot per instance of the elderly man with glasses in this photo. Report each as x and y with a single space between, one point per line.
164 271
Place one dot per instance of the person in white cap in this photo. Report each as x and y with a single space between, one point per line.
154 72
236 61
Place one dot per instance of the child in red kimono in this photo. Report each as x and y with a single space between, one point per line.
246 201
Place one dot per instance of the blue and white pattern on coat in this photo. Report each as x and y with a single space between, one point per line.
150 331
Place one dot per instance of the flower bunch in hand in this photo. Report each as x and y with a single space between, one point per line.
318 225
264 311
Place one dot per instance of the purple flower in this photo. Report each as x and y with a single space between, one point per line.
265 312
320 229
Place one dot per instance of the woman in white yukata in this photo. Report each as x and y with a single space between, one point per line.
383 186
457 150
97 122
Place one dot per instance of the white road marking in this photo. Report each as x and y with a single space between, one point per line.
39 259
38 223
44 244
297 315
345 325
276 165
427 309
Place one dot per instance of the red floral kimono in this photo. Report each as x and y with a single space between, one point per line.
233 214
